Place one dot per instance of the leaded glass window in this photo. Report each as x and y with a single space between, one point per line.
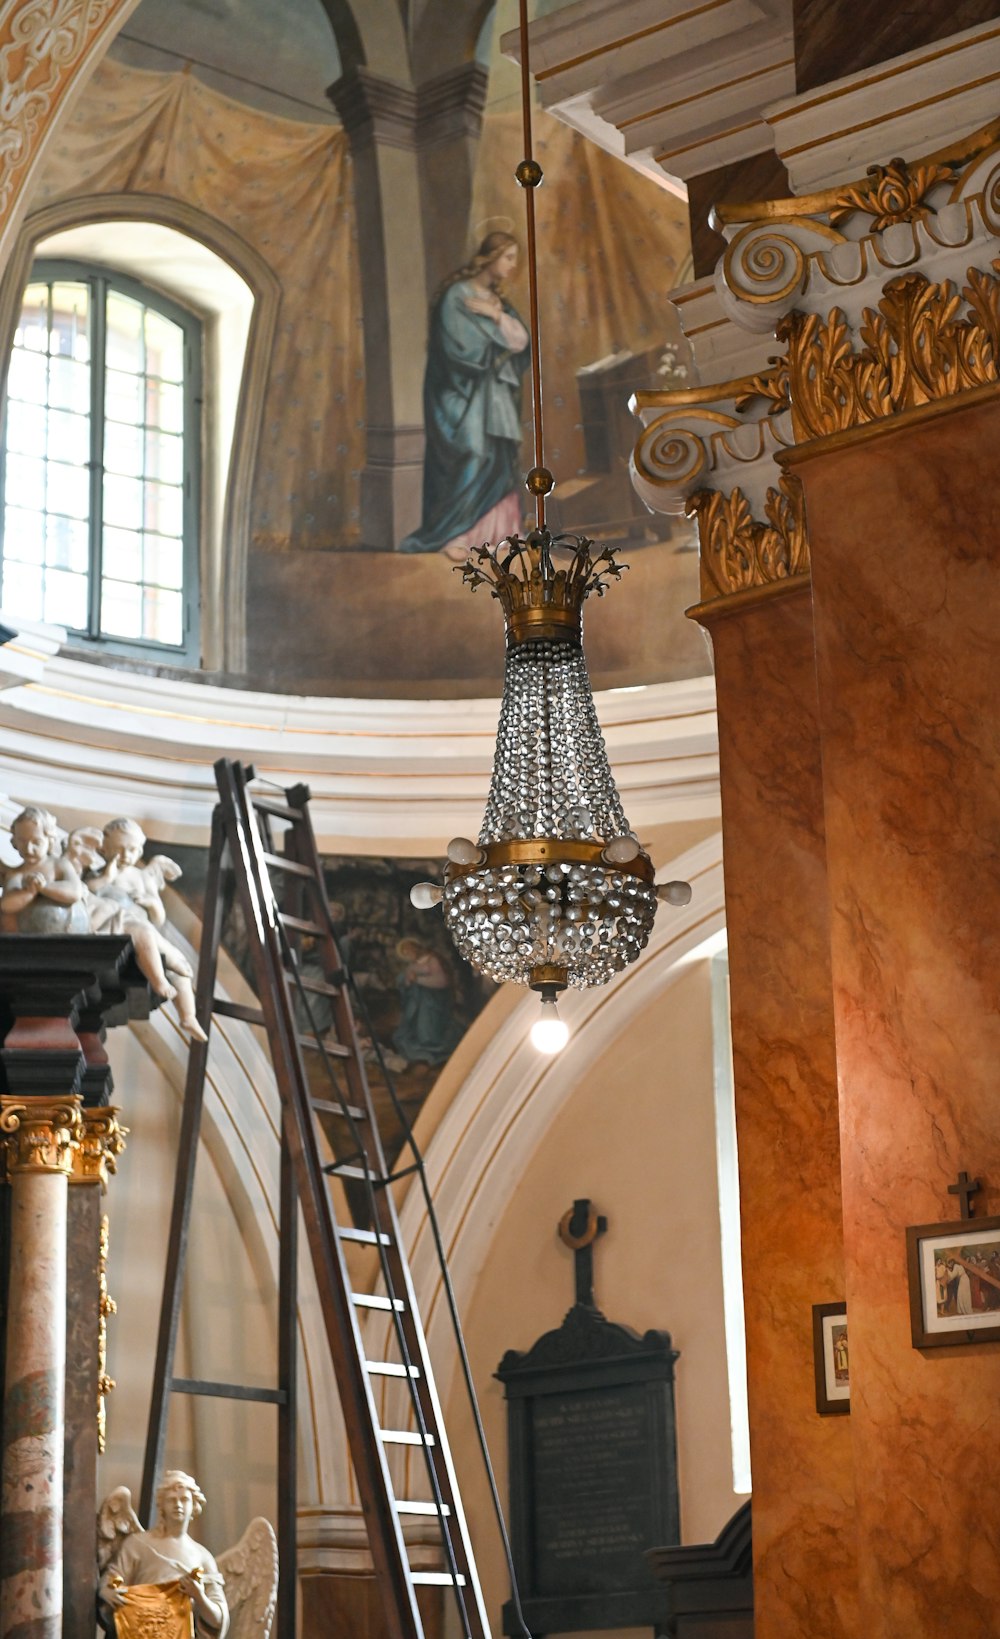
99 460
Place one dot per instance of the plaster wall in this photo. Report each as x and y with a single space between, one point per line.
637 1137
227 1322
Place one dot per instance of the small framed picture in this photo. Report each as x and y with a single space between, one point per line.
830 1358
954 1274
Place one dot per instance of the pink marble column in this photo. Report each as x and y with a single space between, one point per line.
786 1105
906 574
40 1137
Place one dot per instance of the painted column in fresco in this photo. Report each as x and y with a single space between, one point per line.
41 1136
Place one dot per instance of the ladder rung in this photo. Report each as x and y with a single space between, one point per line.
277 810
405 1437
320 986
327 1107
333 1049
237 1010
435 1579
227 1391
426 1509
367 1237
371 1300
389 1368
300 924
278 862
347 1169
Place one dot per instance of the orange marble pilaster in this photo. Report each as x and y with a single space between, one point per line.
786 1106
906 575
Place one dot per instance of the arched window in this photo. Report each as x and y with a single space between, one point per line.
100 461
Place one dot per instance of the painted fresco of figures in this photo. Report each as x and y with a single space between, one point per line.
477 355
429 1029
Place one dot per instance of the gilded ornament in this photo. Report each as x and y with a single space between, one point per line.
40 1135
919 345
106 1306
896 192
102 1141
737 550
888 193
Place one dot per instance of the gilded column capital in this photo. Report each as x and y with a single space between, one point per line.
739 553
102 1141
40 1134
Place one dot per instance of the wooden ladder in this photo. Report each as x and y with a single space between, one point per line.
341 1124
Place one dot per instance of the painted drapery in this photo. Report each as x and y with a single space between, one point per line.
286 188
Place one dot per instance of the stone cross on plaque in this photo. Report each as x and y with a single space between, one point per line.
579 1229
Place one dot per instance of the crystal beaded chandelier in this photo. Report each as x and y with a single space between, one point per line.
557 891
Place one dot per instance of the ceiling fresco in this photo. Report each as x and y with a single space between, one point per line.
369 163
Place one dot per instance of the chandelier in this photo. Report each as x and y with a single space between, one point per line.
558 890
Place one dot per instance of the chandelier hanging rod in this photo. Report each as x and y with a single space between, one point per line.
529 175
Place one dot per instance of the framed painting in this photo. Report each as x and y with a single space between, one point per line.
831 1362
954 1277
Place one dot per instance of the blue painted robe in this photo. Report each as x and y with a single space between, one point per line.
472 418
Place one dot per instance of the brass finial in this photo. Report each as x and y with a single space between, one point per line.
542 597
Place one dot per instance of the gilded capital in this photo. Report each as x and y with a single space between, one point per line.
102 1141
40 1134
740 552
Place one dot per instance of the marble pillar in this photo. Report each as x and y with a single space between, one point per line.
906 574
786 1103
41 1136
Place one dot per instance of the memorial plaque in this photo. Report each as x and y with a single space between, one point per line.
593 1471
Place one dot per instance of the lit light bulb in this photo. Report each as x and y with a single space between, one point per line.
463 852
549 1033
674 893
425 895
620 850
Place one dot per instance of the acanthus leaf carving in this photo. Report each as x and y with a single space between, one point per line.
924 341
891 193
738 551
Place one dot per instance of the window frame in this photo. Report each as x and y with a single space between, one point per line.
101 279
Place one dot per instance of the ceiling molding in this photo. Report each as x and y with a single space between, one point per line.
387 776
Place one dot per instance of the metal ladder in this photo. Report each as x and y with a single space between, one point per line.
340 1126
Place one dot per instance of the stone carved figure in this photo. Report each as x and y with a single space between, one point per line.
44 894
98 884
132 891
162 1578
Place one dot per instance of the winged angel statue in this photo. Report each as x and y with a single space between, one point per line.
162 1582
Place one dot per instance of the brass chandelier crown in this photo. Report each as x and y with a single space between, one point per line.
542 581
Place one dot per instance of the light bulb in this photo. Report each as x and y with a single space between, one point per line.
424 895
463 852
674 893
549 1033
620 850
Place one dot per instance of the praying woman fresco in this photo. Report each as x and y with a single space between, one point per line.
477 354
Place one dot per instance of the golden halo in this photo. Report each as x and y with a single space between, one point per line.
492 224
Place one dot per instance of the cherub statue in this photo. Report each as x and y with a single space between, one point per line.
44 894
129 891
156 1579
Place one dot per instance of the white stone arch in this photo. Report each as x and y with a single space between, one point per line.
497 1099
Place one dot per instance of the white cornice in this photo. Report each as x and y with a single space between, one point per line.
671 88
387 776
909 105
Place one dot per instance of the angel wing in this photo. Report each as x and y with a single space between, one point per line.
116 1519
250 1570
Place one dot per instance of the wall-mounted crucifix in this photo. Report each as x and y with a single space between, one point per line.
579 1229
965 1188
